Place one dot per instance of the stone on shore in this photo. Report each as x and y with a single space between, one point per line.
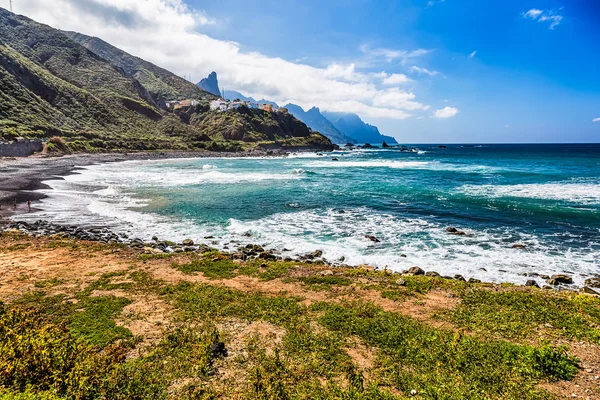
561 278
188 242
593 282
588 290
415 271
532 283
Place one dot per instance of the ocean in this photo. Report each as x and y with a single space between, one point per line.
545 197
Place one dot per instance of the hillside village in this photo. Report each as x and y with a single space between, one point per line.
222 105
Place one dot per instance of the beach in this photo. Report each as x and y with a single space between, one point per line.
481 213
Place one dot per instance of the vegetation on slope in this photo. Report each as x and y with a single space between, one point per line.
276 330
53 86
162 84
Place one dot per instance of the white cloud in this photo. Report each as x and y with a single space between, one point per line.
425 71
473 54
391 54
165 32
396 79
544 16
446 112
533 13
596 120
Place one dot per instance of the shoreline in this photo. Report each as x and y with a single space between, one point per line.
21 178
165 248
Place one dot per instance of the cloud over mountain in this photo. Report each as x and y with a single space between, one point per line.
169 33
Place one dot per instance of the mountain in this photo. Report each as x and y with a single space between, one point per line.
234 95
317 122
162 84
352 126
51 85
210 84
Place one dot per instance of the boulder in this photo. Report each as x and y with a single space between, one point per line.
368 146
454 231
327 272
588 290
188 242
459 278
385 145
218 349
266 256
532 283
519 246
401 282
593 282
415 271
473 280
314 254
432 274
560 278
372 238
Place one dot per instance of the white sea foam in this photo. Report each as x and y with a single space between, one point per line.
109 175
584 193
485 255
370 164
408 164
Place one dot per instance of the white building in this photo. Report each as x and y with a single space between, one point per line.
218 105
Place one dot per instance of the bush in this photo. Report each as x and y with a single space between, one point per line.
37 356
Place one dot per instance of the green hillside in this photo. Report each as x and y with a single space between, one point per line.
51 85
159 82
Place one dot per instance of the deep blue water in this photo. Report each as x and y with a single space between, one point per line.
544 196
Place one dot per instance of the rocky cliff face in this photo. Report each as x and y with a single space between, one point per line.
210 84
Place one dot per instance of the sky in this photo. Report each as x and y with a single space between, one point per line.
423 71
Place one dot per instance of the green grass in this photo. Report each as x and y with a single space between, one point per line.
524 314
444 364
207 301
221 268
88 317
325 282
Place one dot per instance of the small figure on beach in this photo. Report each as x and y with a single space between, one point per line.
29 205
15 204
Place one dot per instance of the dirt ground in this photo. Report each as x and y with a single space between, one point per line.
26 263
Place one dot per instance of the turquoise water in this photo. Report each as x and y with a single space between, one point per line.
546 197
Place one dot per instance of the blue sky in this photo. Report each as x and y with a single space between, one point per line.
526 81
422 71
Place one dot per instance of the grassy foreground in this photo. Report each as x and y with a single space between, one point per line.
88 321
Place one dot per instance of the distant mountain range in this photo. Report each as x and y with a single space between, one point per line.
233 95
340 128
317 122
352 126
210 84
